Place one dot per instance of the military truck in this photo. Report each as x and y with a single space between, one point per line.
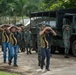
58 18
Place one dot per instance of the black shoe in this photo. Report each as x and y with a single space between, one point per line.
66 56
4 61
38 63
30 52
50 55
18 51
15 65
27 52
10 62
44 63
47 69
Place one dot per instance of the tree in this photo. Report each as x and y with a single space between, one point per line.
58 4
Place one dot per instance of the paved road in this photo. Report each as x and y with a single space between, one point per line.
27 65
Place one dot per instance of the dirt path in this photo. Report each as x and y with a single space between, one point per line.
27 65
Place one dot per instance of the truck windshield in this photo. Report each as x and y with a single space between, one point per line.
67 19
46 20
52 22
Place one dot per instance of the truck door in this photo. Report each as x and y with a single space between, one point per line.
74 36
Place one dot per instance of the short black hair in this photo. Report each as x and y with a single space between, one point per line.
6 25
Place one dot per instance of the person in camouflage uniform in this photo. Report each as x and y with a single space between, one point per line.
66 37
38 45
21 39
28 40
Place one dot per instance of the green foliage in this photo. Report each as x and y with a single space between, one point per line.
23 7
58 4
18 7
6 73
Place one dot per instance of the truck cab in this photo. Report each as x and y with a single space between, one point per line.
59 18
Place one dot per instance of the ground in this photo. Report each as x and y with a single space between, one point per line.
28 65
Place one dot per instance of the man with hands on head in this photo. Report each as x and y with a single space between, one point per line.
45 35
5 41
14 44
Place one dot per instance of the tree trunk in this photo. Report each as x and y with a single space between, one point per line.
15 19
22 20
5 18
9 19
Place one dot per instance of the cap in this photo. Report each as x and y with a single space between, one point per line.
47 25
41 24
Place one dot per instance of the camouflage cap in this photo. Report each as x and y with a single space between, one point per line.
41 24
47 25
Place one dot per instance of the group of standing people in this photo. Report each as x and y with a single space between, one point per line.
25 40
11 36
11 40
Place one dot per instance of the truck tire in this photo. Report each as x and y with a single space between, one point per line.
74 48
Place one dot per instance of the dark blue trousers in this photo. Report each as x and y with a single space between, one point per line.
45 53
5 46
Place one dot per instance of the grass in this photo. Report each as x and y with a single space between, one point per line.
6 73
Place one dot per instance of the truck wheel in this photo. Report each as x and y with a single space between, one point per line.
74 48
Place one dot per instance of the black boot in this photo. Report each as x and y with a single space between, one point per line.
4 61
27 51
15 65
23 49
30 52
66 53
66 56
10 62
38 63
50 55
44 62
